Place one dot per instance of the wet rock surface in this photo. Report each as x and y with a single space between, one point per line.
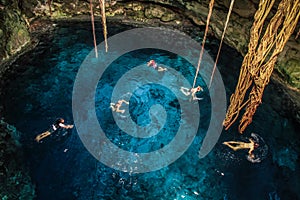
20 15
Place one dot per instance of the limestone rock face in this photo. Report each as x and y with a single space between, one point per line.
14 14
14 32
161 13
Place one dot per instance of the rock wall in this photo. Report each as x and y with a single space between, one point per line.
15 19
15 182
14 32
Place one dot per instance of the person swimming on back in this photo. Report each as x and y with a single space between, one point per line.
58 124
191 92
116 106
155 66
237 145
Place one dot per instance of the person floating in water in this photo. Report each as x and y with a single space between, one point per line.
58 124
116 106
153 64
191 92
237 145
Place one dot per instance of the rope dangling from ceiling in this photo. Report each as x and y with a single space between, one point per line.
221 42
103 16
93 27
258 64
211 5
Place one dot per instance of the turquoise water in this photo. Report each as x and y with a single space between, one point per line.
62 168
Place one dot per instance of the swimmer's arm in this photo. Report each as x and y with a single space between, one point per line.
251 150
123 101
196 98
120 110
161 69
251 147
65 126
185 91
112 106
194 94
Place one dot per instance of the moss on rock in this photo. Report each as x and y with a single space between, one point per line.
15 33
291 71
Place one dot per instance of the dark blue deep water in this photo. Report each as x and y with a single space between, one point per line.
40 90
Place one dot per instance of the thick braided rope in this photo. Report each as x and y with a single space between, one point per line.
245 80
292 12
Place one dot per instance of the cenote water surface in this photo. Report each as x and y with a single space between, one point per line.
62 168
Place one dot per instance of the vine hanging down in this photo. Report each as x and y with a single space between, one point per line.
258 64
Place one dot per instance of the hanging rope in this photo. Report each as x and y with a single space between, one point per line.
211 5
102 8
93 27
221 42
257 70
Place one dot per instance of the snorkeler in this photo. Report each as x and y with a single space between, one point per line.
236 145
116 106
58 124
153 64
191 92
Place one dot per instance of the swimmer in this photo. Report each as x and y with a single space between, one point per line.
58 124
153 64
191 92
116 106
236 145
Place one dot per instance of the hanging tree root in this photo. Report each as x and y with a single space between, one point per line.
245 81
255 70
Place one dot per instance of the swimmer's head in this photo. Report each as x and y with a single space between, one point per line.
256 145
199 88
151 62
60 120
